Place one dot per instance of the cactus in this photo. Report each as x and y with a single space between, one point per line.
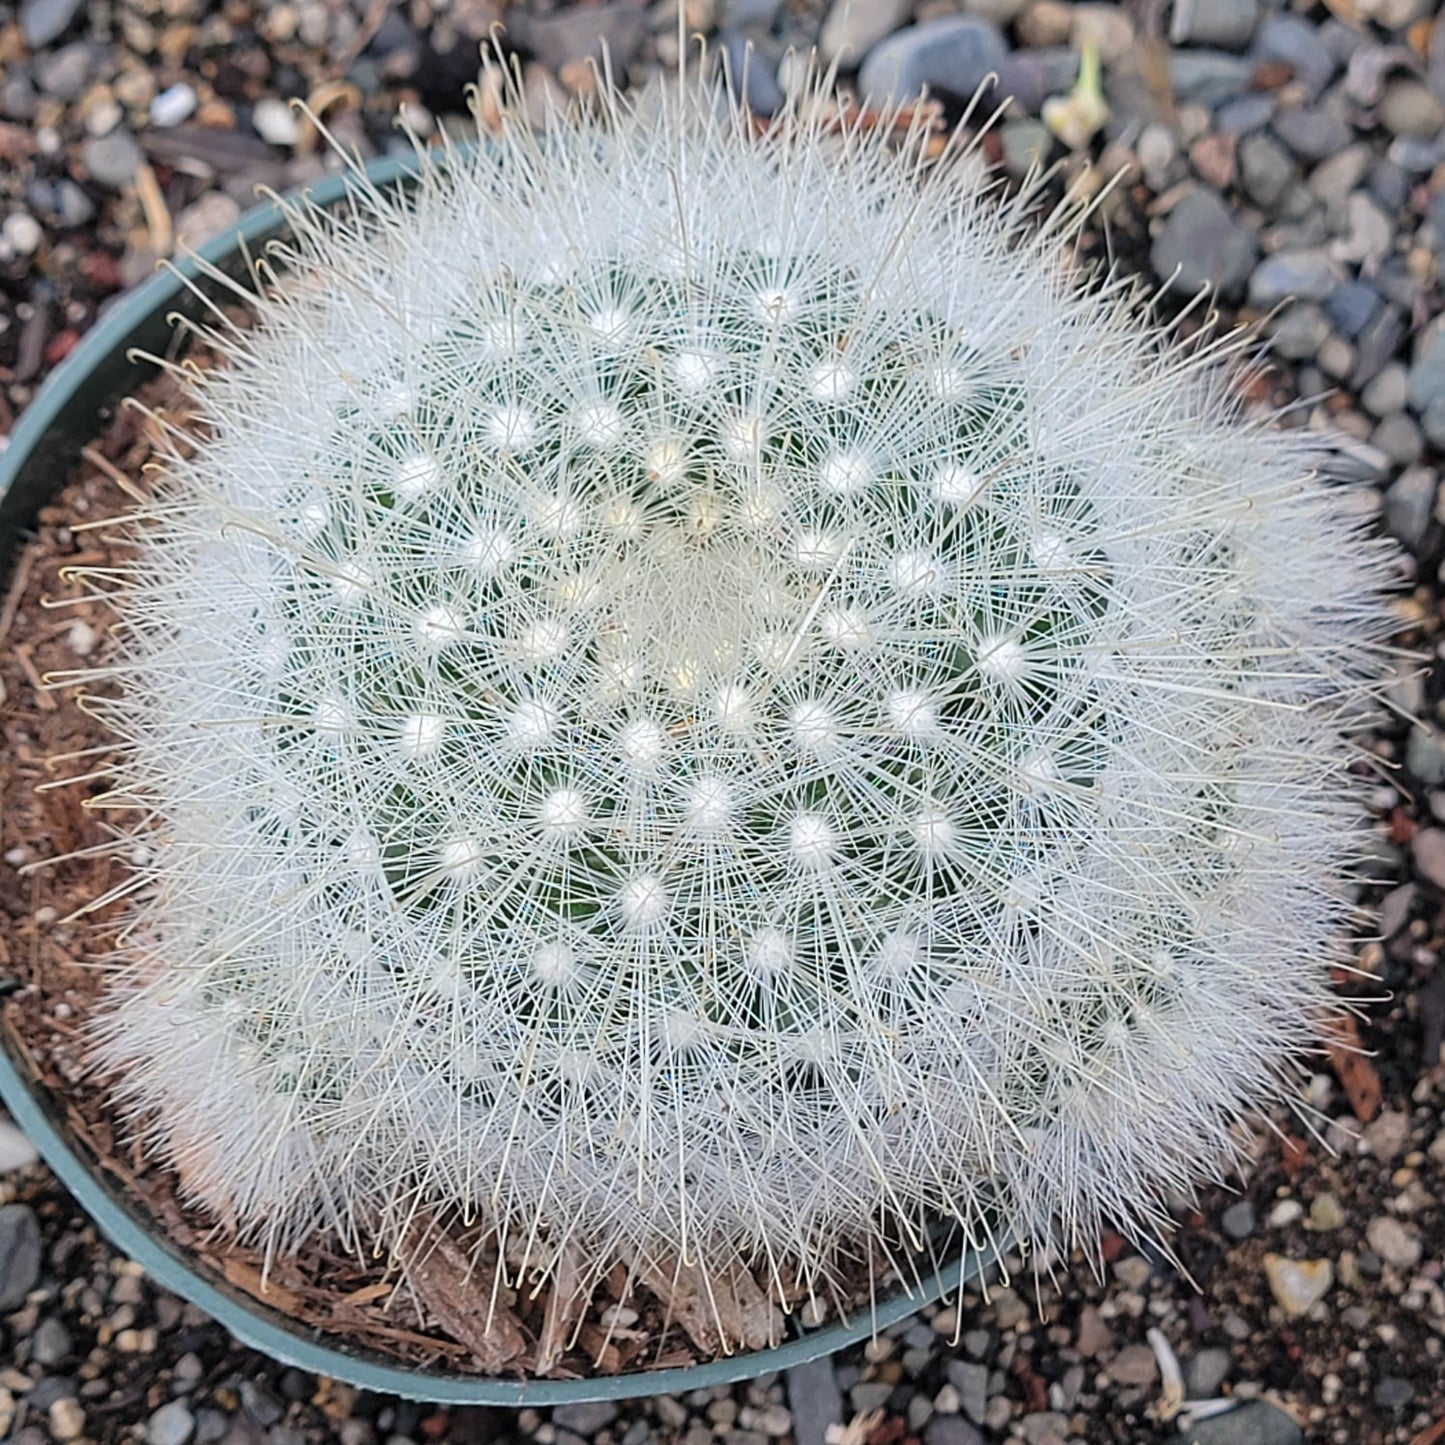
703 696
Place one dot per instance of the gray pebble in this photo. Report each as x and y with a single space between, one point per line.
1387 392
1336 176
951 55
1428 850
851 30
951 1430
1248 113
1299 330
1229 24
1414 155
64 73
1399 438
749 14
21 234
1432 423
1426 383
1351 307
752 73
17 97
1205 1372
1254 1423
1304 275
1377 343
1396 1243
42 21
172 1424
1025 143
1409 109
1266 169
1208 77
1409 504
1028 77
1298 44
1393 1393
1312 132
870 1395
1389 185
971 1382
214 1425
1238 1219
1208 243
577 33
814 1401
112 160
72 206
51 1342
19 1254
585 1417
1425 755
259 1403
48 1389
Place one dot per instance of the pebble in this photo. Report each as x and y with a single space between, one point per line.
21 234
1337 175
1134 1365
870 1395
1240 117
951 55
1393 1241
814 1401
751 74
1409 108
19 1254
1026 143
1266 169
1285 1213
275 121
951 1430
1229 24
1045 23
574 34
1299 330
1351 307
1297 1284
42 21
1093 1336
112 160
1206 241
1208 77
1400 439
66 1419
1298 44
1256 1422
585 1417
173 105
64 73
971 1382
172 1424
851 30
1304 275
1371 233
1428 848
1312 132
1386 1135
1393 1393
1205 1372
51 1342
1106 27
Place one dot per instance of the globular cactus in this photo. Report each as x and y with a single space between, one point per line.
701 695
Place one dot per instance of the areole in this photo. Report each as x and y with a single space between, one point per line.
64 416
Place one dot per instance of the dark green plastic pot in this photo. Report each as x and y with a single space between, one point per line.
69 411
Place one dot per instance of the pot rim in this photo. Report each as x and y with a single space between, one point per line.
63 416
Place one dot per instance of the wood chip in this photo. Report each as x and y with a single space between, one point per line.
1357 1075
564 1305
460 1293
250 1279
720 1313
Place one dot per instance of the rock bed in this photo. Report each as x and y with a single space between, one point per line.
1292 157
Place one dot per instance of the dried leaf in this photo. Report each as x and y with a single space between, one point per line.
720 1312
247 1277
1353 1068
564 1304
459 1292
